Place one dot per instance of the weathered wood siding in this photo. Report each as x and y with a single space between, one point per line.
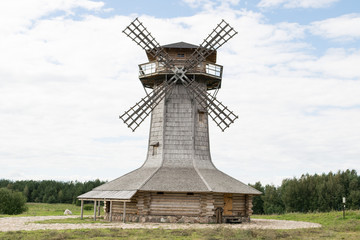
143 203
239 204
131 207
249 205
173 204
207 204
218 200
182 204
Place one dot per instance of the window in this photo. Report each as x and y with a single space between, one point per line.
107 204
160 193
202 116
154 150
190 193
155 146
181 55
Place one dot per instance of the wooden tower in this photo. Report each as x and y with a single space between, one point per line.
178 181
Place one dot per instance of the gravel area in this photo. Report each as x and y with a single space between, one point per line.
27 224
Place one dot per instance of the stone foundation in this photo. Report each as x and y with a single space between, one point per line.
167 219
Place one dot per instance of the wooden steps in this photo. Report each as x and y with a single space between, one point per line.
233 220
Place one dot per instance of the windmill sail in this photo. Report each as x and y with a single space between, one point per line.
139 34
138 113
222 116
218 37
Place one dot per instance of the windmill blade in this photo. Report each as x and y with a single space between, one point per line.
138 113
139 34
221 115
218 37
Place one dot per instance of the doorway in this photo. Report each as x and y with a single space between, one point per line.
228 203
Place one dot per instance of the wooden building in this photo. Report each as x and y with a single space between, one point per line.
178 182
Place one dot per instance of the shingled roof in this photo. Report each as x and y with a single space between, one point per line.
180 45
167 179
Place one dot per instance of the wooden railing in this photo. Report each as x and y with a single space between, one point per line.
154 67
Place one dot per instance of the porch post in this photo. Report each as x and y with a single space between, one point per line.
124 212
95 210
82 209
110 214
246 206
99 207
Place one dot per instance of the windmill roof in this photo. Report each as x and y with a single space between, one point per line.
167 179
118 195
180 45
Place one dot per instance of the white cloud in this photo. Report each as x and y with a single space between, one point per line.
343 28
15 16
210 5
64 82
296 3
199 3
336 62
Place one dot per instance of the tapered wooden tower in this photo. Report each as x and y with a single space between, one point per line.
178 181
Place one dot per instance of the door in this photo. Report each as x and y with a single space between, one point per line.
228 204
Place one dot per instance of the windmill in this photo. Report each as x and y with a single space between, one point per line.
221 115
178 181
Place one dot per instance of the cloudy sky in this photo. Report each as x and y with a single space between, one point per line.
292 74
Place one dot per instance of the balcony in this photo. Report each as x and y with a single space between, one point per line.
153 68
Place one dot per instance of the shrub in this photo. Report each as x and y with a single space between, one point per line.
12 202
88 207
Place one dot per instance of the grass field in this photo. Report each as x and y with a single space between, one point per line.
334 227
46 209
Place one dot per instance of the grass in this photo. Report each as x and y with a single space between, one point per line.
158 233
334 227
73 220
47 209
328 219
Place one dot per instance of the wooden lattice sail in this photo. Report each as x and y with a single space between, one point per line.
178 178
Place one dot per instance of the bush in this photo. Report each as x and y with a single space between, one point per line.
88 207
12 202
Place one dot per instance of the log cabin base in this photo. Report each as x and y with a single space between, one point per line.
170 207
174 219
161 219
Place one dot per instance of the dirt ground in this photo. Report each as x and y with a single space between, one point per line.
27 224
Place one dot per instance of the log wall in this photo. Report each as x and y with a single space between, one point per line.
182 204
131 207
172 204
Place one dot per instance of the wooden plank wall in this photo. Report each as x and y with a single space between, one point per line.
172 204
218 200
242 204
143 202
131 207
239 204
249 205
207 204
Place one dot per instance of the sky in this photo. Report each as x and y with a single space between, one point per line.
291 74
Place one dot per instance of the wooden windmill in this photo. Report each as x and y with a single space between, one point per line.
184 72
178 181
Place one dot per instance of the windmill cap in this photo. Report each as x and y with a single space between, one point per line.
180 45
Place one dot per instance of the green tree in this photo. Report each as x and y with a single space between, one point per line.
258 202
272 200
12 202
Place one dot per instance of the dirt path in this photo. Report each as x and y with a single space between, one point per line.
27 224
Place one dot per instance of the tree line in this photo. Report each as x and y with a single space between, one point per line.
309 193
50 191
